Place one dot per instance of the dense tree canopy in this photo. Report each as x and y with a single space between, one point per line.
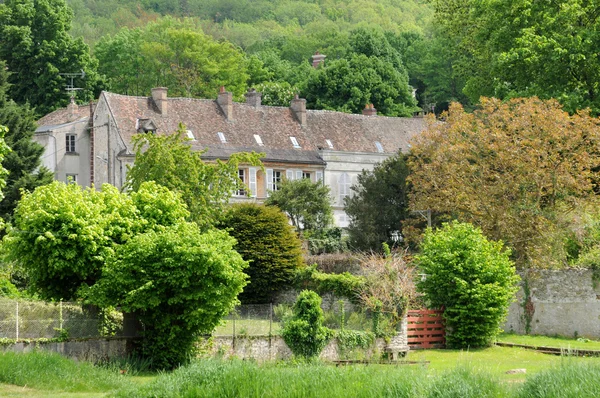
521 48
24 160
307 203
37 47
510 168
378 205
267 241
171 53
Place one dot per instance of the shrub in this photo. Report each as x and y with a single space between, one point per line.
304 333
341 285
471 277
269 244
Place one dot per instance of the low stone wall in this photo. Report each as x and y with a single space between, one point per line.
556 302
265 348
95 350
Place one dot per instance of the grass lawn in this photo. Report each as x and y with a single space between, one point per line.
543 341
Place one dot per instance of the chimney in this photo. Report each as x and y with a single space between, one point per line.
72 110
159 95
318 60
369 110
298 106
225 102
253 98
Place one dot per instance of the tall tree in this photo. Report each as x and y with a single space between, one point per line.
170 161
509 168
379 204
37 47
171 53
23 162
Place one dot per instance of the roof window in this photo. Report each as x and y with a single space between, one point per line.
379 146
329 144
222 137
295 142
190 135
258 140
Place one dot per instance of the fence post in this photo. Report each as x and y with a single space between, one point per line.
60 315
270 321
17 323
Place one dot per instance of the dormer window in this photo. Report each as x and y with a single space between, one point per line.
145 126
222 138
329 144
258 140
190 135
295 142
379 146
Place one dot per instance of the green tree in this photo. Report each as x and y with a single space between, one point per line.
37 47
472 278
170 161
179 282
63 234
171 53
519 48
23 162
267 241
307 203
379 204
304 333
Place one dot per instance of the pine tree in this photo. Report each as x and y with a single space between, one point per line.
24 160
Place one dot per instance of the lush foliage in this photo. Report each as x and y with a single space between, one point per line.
471 277
37 47
267 241
23 162
568 379
170 161
307 203
171 53
326 241
342 285
178 281
511 168
63 234
379 204
304 333
519 48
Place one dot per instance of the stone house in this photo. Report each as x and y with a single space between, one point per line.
92 145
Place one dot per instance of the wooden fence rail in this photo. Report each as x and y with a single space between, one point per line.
425 329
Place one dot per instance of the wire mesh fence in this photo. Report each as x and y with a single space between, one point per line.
23 319
268 319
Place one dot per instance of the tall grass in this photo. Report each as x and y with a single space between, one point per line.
47 371
569 379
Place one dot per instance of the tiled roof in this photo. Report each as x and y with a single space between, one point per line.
64 115
274 125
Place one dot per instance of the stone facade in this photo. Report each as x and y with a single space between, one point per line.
556 302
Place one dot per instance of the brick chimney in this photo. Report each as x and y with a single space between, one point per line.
369 110
225 102
318 60
159 95
298 106
253 98
72 110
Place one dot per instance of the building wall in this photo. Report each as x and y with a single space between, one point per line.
557 302
61 162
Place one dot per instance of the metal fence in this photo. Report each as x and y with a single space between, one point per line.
268 319
24 319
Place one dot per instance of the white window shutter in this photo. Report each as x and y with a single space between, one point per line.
269 179
289 174
298 174
319 176
252 181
